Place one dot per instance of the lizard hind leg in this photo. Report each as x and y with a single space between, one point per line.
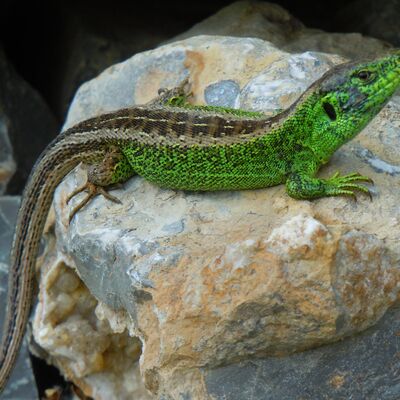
175 97
111 171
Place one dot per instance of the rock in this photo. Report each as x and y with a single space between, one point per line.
26 122
209 279
22 382
7 162
251 84
93 41
361 367
379 19
271 22
96 353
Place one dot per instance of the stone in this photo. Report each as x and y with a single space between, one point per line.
7 162
206 280
92 41
96 353
22 382
361 367
271 22
26 126
257 71
379 19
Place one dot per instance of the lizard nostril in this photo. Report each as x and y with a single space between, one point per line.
330 111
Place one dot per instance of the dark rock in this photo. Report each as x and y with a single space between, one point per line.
363 367
379 19
29 123
22 383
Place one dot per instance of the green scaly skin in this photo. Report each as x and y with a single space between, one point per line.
328 115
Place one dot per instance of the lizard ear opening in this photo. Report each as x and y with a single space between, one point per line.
330 111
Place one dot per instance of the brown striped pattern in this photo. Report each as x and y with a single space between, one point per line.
172 126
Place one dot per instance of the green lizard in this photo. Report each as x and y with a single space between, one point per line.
187 147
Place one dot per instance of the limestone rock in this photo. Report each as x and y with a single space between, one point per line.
209 279
98 355
261 78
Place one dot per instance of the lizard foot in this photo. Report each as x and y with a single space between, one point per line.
347 184
93 191
175 97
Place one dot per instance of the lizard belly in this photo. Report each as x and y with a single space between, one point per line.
207 168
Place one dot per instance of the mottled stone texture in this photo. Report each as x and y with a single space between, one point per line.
22 382
206 280
365 366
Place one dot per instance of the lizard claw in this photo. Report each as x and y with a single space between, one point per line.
346 185
93 191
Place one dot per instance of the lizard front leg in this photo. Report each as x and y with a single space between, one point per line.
303 186
113 169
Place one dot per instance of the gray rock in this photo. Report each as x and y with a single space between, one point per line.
7 162
379 19
22 384
363 367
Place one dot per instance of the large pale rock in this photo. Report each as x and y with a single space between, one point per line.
261 78
207 279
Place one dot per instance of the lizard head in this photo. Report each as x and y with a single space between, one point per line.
348 97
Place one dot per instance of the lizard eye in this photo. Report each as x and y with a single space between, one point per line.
365 75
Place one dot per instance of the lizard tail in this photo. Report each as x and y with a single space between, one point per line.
60 157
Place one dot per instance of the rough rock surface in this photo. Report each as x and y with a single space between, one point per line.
206 279
261 78
22 382
362 367
271 22
379 19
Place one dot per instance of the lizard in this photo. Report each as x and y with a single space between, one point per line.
201 148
